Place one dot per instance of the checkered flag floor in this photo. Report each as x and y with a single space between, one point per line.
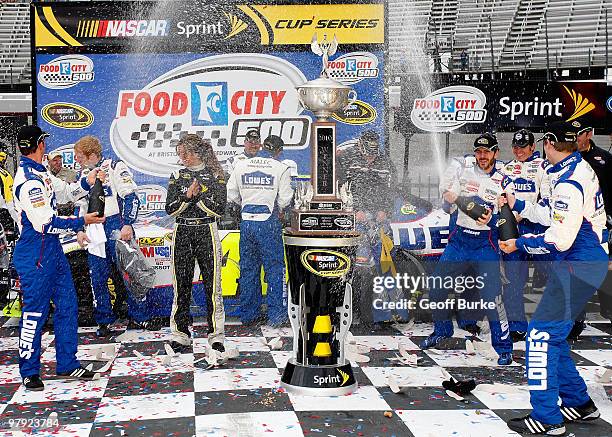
141 396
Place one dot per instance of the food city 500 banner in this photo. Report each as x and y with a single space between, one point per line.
138 75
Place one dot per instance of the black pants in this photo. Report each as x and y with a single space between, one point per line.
201 243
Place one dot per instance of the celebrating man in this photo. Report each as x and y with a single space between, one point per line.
577 219
473 243
262 186
43 269
528 173
252 145
121 206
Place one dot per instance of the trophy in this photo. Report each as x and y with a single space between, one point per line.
324 212
320 247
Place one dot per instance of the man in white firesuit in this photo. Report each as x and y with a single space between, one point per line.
262 186
573 242
121 206
472 244
528 173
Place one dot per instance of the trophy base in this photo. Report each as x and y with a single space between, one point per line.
322 222
336 380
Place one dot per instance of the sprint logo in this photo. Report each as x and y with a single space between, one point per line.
344 375
236 25
582 105
340 379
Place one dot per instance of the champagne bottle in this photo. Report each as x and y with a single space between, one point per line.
96 199
471 208
506 224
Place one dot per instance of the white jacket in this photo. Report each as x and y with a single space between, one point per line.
120 183
575 213
37 193
531 182
259 184
465 178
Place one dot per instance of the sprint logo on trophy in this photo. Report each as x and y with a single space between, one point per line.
322 206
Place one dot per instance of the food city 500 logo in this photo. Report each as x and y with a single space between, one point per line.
353 67
152 200
212 97
66 71
449 108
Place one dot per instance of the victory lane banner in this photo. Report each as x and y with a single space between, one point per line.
139 75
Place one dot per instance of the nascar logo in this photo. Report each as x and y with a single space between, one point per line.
449 108
121 28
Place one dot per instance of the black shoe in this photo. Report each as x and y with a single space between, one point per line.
33 383
518 336
529 426
79 373
103 331
577 329
585 412
153 324
180 348
218 346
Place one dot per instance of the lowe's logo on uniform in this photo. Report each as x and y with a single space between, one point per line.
523 186
257 178
209 103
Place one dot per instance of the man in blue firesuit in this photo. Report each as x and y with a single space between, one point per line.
43 269
573 241
262 186
121 206
528 173
472 246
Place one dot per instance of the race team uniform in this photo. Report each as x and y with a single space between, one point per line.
466 319
531 184
43 269
120 208
473 245
577 221
196 238
8 220
262 186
